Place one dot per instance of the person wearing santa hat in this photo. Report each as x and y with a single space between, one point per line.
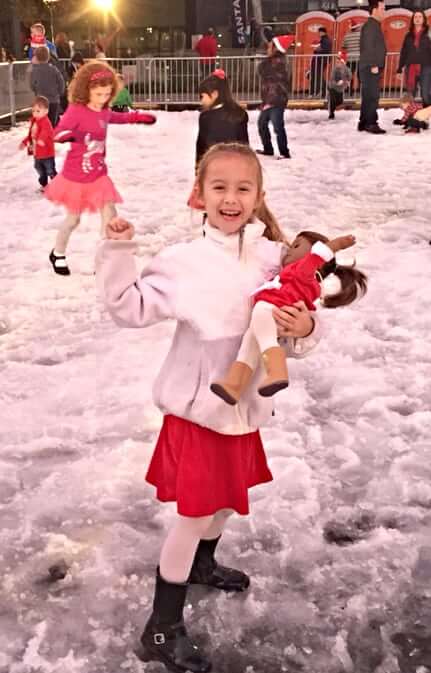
274 87
339 81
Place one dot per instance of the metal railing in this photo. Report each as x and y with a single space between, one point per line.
171 81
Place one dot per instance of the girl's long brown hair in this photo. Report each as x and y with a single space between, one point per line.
424 27
79 88
353 282
272 230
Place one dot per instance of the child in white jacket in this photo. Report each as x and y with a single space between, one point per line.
208 454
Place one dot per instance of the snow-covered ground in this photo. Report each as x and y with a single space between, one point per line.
349 446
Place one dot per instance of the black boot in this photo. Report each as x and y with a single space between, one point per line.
165 637
206 570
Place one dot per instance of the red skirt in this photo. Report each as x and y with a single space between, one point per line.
204 471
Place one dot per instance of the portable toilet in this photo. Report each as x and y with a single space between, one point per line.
307 38
395 26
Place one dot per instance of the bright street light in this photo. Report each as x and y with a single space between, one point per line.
106 5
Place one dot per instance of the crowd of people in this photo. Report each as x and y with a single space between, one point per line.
209 451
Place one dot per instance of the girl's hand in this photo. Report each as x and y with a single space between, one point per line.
119 229
293 321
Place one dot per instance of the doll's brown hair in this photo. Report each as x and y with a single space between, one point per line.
272 230
89 76
353 282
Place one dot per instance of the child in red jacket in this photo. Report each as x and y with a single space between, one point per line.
40 141
307 262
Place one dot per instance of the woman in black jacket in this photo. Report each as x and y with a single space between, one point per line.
415 57
222 120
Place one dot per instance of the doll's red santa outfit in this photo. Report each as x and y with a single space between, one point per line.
296 282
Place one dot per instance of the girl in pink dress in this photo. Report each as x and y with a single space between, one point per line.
83 184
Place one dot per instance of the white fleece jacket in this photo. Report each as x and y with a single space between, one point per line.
206 287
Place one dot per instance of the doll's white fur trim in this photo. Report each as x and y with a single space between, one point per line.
330 285
322 250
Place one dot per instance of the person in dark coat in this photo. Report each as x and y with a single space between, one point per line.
371 64
275 87
415 57
46 80
221 121
76 62
319 64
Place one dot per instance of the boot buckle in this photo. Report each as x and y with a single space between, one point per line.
159 638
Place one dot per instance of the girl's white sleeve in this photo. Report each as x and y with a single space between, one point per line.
134 300
300 348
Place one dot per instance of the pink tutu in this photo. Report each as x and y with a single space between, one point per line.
78 197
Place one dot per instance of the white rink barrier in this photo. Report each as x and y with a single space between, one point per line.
174 81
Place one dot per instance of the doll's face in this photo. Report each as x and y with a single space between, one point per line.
230 192
99 96
299 248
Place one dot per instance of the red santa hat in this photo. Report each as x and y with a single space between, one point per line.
342 55
283 42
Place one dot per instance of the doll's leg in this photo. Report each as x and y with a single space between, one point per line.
249 350
107 213
238 377
206 570
264 329
263 326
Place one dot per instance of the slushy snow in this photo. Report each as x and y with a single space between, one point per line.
338 545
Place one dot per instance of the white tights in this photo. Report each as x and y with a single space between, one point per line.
71 222
180 546
261 335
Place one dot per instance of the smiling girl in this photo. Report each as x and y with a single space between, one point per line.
208 454
83 184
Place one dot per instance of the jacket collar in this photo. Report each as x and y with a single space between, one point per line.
252 232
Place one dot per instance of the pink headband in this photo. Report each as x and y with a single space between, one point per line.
219 73
101 74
